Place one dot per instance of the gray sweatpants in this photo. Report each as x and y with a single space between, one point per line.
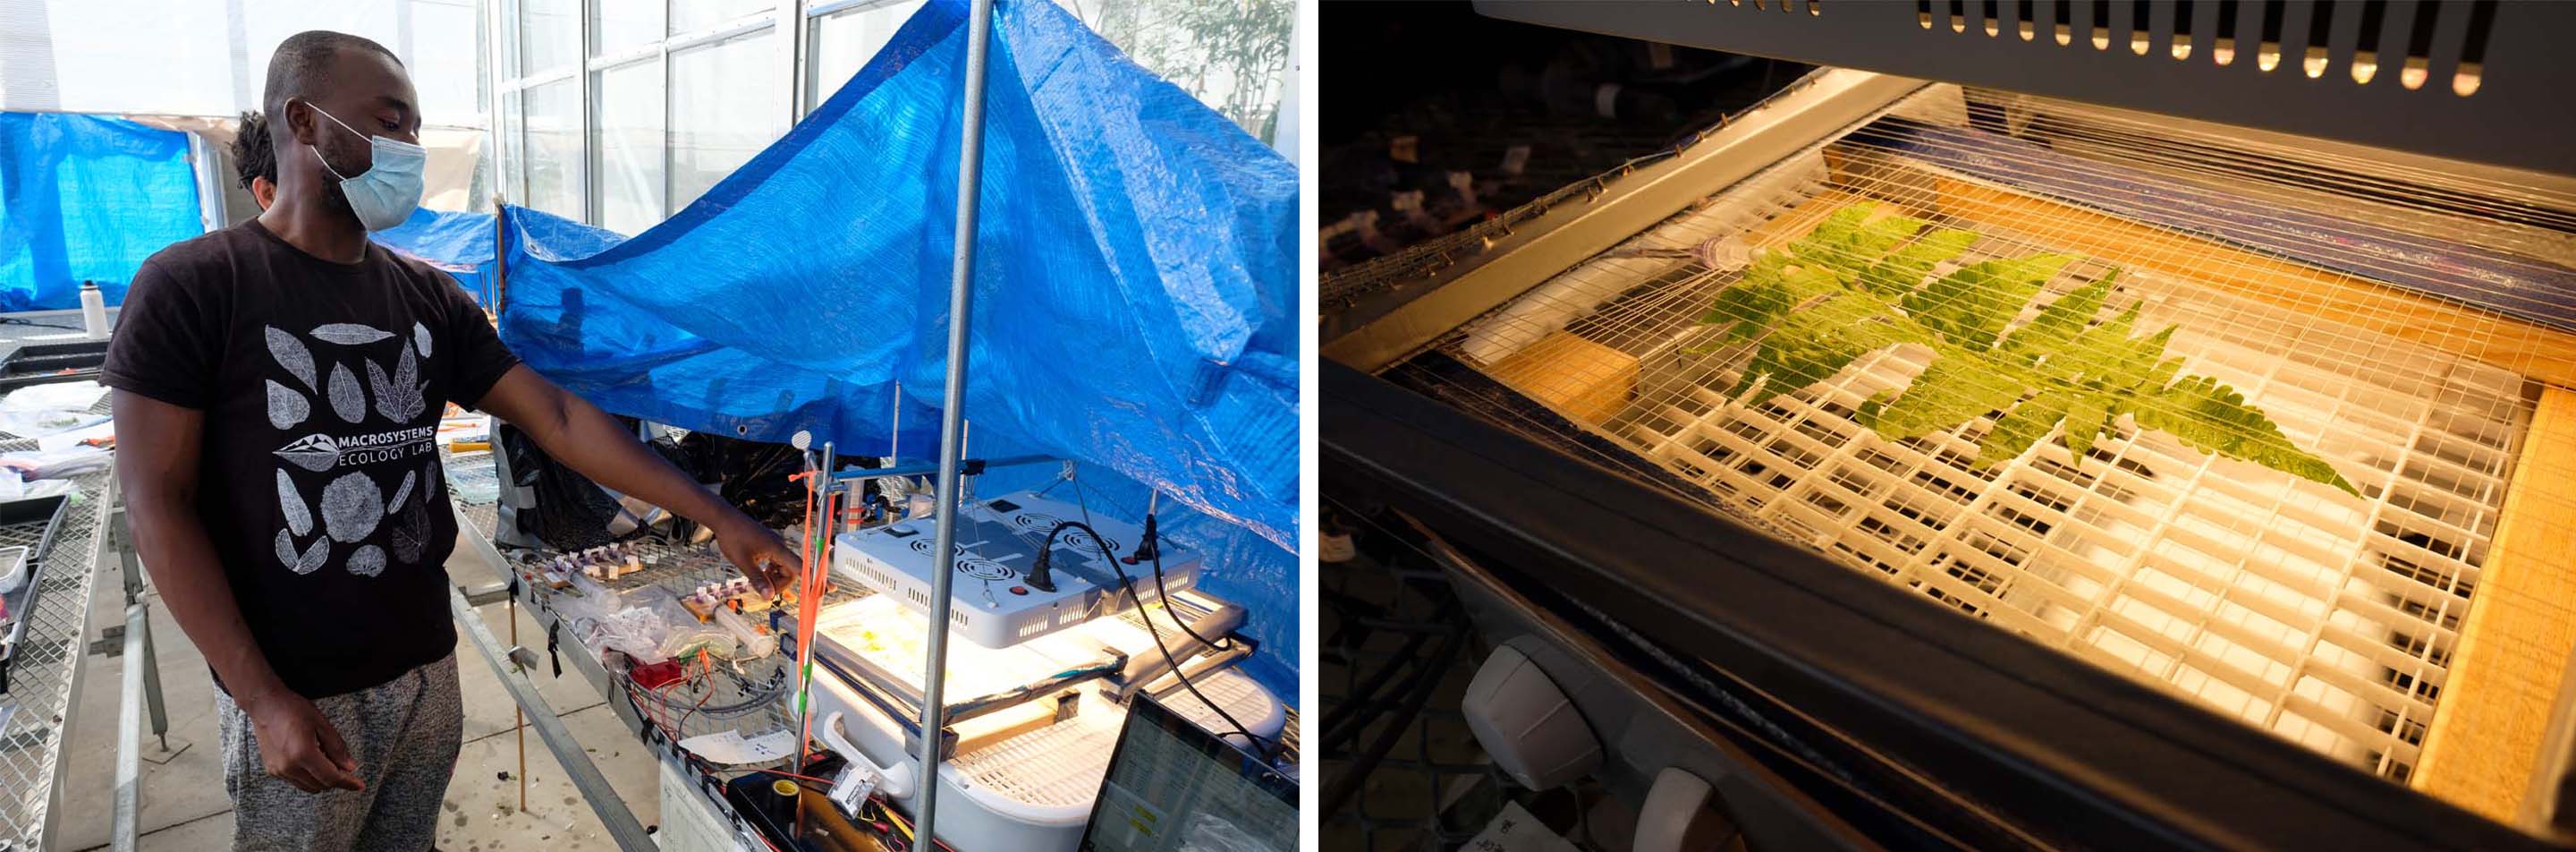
404 734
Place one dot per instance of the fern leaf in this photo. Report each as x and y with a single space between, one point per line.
2026 424
1812 345
1969 307
1849 241
1905 268
2213 418
2059 323
1952 391
2087 417
1839 294
1768 292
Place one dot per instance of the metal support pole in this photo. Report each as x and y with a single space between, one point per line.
130 569
128 807
150 662
952 416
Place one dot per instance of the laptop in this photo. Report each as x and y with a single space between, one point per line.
1174 786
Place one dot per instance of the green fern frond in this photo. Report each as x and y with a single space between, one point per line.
1847 289
1969 307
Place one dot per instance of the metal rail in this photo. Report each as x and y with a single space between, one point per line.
577 766
567 749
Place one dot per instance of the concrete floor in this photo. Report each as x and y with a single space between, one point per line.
184 806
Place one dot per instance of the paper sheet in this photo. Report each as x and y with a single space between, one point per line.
1514 830
730 748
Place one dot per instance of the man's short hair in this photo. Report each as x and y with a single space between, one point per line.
302 66
253 156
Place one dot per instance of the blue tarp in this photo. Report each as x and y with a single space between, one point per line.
459 243
1135 291
86 198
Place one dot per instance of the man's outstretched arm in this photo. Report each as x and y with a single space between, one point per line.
591 442
156 466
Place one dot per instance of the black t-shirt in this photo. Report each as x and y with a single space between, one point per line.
319 480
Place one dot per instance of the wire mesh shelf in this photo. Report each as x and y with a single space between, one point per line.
2327 618
43 672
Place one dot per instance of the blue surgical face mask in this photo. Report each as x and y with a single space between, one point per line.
386 193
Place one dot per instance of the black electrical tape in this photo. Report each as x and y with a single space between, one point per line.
551 645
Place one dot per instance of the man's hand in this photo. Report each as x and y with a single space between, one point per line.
299 746
596 445
763 557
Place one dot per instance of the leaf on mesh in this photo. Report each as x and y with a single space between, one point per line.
1848 241
1969 307
1903 269
2058 323
2213 418
2026 424
2087 416
1839 295
1810 346
1952 391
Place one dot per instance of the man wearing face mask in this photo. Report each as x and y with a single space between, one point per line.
277 386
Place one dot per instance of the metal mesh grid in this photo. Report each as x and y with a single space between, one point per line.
2326 618
41 675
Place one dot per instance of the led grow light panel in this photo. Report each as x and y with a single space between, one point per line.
2327 618
992 601
895 639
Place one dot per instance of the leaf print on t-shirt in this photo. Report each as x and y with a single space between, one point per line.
312 558
420 338
286 406
291 354
351 507
290 501
346 399
398 398
350 334
368 561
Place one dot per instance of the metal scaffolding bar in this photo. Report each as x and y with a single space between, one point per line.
961 301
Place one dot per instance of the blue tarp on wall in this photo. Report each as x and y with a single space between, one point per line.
1135 292
85 198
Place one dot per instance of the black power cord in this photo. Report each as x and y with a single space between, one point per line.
1265 747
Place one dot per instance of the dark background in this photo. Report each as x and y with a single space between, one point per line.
1468 90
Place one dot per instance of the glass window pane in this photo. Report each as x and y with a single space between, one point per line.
621 24
725 107
513 160
845 41
549 35
552 131
626 133
1232 56
693 15
449 82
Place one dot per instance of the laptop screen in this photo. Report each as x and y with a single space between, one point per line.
1174 786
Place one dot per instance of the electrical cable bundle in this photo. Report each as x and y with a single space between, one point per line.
1266 748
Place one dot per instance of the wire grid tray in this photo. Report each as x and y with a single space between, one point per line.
2326 619
42 674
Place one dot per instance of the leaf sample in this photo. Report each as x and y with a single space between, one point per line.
1855 286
